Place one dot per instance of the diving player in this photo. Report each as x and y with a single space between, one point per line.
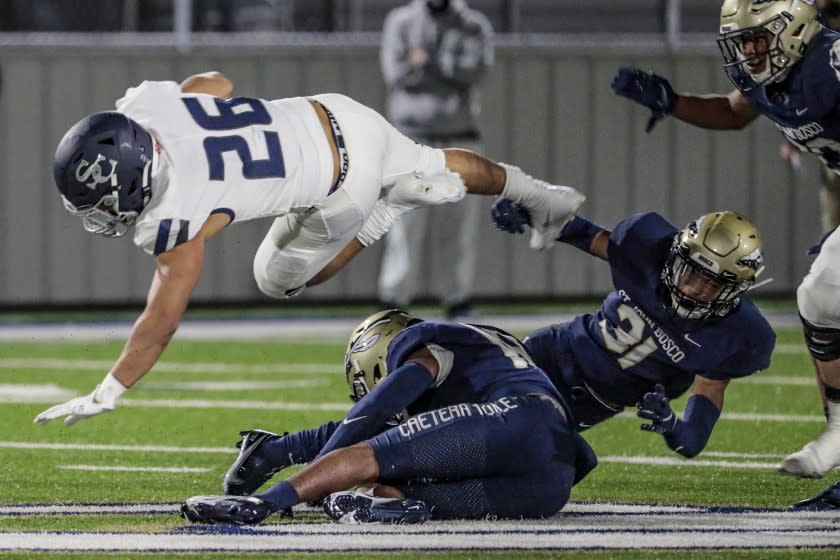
483 433
181 163
678 317
785 66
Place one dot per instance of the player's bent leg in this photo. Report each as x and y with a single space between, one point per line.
477 441
820 311
297 247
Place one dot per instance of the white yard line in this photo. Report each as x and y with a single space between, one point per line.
134 469
751 417
221 386
106 447
606 529
173 367
246 405
677 462
669 460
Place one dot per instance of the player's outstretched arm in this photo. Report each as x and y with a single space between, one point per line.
688 435
720 112
213 83
396 392
175 276
717 112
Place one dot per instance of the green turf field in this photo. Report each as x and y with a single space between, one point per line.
202 393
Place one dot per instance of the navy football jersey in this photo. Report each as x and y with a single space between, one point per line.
481 363
805 107
633 341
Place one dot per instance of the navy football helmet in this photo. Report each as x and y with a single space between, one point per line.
102 168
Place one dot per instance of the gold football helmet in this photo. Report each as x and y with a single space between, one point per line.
761 40
365 359
712 262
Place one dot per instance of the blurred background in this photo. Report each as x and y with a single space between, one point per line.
546 105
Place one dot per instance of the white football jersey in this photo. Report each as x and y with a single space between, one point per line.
244 157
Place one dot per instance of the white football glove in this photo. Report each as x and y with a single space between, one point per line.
102 399
418 189
410 192
551 206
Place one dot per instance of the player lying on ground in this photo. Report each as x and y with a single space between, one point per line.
483 433
181 163
678 317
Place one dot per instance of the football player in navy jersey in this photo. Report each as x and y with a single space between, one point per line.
678 318
785 66
451 420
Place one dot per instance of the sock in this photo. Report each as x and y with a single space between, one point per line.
282 495
833 413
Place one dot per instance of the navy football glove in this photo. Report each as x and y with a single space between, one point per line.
648 89
656 408
510 216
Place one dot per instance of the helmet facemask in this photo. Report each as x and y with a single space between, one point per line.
711 263
752 57
103 218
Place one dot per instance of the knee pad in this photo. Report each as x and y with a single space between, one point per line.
823 342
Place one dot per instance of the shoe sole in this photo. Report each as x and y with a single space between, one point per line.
199 512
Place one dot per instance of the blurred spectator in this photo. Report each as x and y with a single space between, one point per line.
434 53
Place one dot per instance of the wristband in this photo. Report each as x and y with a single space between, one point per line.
110 389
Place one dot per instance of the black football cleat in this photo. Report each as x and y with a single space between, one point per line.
356 507
252 468
241 510
827 500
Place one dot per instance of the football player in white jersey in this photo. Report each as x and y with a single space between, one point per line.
182 162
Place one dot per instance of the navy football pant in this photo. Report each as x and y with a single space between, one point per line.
513 457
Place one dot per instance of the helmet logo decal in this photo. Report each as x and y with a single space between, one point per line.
363 345
94 172
754 260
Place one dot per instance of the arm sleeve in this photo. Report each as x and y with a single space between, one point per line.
580 232
691 434
370 415
305 445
